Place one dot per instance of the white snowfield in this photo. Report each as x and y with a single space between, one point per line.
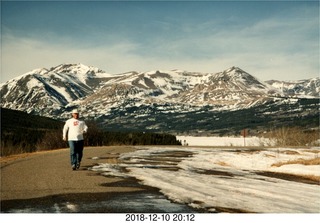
226 179
224 141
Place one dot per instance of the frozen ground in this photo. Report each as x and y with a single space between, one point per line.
226 179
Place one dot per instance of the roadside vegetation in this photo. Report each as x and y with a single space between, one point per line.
21 132
25 133
293 136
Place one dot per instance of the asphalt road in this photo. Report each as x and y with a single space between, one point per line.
44 182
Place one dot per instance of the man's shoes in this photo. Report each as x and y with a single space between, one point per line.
73 167
78 165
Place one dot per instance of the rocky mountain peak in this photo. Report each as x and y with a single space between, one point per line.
53 91
235 73
79 70
236 78
234 69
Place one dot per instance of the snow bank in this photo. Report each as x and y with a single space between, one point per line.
228 178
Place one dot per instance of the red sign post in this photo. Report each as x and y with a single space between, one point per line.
244 133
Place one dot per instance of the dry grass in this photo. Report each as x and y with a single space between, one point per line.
290 152
293 136
221 163
270 156
312 151
5 159
9 158
312 177
314 161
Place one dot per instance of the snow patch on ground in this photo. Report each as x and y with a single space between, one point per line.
230 178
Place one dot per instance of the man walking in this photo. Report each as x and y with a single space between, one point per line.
75 129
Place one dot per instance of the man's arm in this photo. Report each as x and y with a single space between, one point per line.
85 127
64 131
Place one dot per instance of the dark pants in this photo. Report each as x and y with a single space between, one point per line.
76 151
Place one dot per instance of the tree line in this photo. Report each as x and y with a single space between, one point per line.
23 133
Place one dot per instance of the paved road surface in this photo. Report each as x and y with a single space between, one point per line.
45 182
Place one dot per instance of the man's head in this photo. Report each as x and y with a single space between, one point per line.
75 113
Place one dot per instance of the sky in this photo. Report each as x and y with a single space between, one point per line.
268 39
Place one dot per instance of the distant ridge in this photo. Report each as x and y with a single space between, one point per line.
117 100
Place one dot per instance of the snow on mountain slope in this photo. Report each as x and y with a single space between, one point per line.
141 88
232 87
301 88
46 91
54 92
81 74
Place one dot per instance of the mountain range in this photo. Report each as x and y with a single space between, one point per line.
171 101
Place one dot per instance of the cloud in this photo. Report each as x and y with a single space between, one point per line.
20 55
271 48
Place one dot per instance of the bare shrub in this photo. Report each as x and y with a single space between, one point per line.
51 140
10 149
293 136
95 135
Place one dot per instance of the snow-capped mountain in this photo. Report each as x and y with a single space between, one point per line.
301 88
232 88
141 97
46 91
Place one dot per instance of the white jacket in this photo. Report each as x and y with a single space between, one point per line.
75 129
